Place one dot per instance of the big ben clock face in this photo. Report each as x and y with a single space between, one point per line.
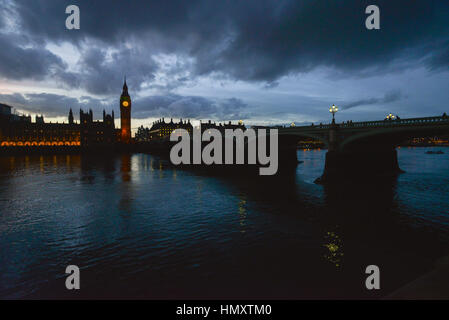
125 103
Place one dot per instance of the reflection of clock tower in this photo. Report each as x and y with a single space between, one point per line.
125 114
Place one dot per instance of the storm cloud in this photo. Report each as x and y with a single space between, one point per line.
54 105
246 40
21 62
390 96
172 105
171 45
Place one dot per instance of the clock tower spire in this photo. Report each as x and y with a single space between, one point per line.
125 114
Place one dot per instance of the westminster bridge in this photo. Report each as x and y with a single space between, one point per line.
359 148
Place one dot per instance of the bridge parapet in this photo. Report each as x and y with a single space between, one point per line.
370 124
398 122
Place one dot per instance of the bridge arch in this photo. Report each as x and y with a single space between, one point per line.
390 136
293 136
298 135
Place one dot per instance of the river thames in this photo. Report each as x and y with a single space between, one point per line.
140 228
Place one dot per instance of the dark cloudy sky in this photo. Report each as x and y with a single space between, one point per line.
263 61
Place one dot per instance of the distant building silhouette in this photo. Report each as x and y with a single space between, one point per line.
97 133
142 134
19 131
161 129
221 127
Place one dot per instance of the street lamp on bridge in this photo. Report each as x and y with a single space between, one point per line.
333 110
390 117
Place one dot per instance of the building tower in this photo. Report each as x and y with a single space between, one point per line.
70 116
125 114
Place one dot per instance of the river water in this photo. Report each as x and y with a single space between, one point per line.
140 228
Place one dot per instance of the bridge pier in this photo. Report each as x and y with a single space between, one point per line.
287 154
288 157
361 163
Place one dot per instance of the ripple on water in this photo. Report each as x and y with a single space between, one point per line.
136 219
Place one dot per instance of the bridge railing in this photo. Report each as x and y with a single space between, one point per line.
380 123
397 122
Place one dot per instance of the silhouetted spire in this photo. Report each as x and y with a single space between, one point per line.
125 89
70 116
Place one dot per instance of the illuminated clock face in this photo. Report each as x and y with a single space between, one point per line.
125 103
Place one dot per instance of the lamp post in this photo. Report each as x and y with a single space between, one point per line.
390 117
333 110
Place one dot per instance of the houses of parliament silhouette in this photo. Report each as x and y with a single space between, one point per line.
20 131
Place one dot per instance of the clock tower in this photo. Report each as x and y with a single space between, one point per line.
125 114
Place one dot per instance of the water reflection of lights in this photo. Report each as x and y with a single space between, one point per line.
242 215
125 168
335 246
41 164
161 171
